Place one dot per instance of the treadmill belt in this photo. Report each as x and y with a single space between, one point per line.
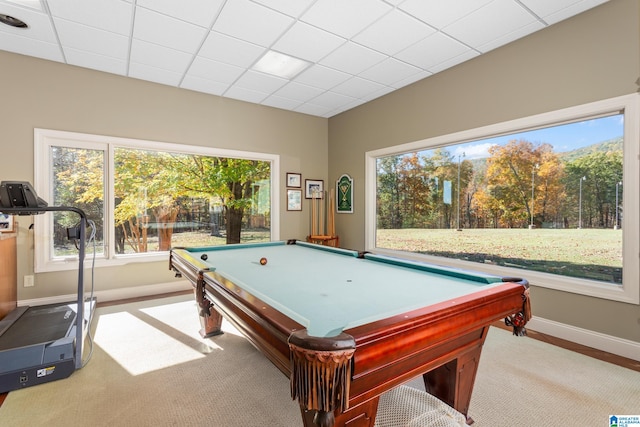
40 324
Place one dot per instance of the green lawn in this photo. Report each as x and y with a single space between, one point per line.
588 253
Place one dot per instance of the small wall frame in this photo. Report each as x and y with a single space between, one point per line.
294 180
313 189
294 200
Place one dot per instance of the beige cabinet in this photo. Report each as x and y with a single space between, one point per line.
8 274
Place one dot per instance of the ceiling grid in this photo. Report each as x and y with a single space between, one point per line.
351 52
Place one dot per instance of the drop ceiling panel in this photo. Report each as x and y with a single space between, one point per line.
82 58
153 74
292 8
163 30
544 8
108 15
357 87
252 22
214 70
358 50
279 102
33 4
30 47
322 77
204 85
90 39
199 12
332 100
243 94
158 56
352 58
390 71
260 82
490 22
345 18
470 54
382 35
298 92
442 13
314 110
570 10
514 35
230 50
307 42
433 50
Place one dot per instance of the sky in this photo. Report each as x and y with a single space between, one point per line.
563 138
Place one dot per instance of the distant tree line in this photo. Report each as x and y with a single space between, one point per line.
518 185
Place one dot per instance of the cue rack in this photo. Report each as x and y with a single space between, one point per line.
323 225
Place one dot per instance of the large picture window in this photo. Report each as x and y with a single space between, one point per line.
143 198
555 195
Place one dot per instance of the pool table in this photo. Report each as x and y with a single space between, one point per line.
346 326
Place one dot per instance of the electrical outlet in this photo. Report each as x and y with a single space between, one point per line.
28 281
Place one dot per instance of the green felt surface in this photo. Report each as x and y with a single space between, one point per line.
329 290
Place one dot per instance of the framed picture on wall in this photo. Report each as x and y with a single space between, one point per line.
313 188
6 223
344 194
294 180
294 200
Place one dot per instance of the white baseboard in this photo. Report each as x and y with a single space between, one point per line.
610 344
115 294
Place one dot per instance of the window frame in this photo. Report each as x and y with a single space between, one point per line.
628 105
44 139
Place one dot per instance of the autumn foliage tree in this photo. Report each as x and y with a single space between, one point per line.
149 186
233 181
523 178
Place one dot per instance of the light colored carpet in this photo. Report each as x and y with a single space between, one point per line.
150 367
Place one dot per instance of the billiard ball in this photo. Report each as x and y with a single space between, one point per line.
204 257
263 261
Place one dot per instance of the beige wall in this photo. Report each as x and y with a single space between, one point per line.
50 95
594 56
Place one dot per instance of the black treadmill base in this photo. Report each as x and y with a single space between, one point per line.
35 375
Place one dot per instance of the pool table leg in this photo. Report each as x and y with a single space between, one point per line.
363 415
210 319
453 382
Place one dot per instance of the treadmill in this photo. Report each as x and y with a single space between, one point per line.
44 343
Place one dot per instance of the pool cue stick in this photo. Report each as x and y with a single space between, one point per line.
333 211
318 216
331 214
315 208
329 219
321 209
313 214
324 212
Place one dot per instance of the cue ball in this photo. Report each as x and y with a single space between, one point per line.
204 257
263 261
